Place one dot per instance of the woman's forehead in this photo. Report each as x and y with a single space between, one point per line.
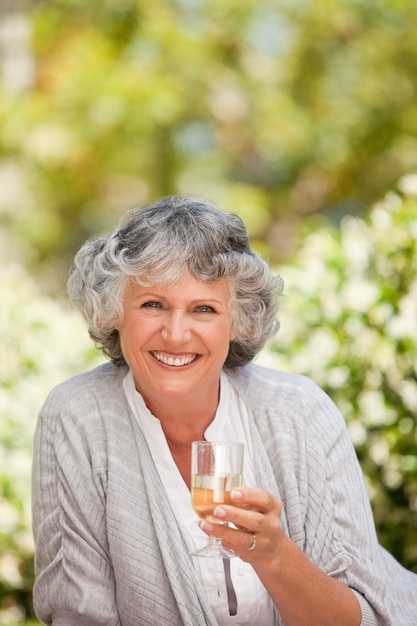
186 282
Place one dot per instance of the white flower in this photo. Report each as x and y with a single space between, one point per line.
50 142
359 294
408 184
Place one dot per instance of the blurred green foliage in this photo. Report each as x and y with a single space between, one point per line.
278 110
349 321
299 115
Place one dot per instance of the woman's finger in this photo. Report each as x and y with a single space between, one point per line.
253 498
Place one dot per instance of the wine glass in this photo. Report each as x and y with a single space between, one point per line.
216 469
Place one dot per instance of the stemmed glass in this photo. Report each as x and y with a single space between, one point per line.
216 469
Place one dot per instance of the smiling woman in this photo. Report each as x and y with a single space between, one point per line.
181 304
158 245
175 339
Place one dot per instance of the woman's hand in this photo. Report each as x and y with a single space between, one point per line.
302 593
256 517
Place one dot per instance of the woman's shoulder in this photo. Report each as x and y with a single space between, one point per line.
265 381
285 396
101 384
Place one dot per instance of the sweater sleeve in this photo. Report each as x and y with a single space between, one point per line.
340 531
75 583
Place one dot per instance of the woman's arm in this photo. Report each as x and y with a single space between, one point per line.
74 577
302 593
326 513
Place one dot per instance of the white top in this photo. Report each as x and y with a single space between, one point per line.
254 605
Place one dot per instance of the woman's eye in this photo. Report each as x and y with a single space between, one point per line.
204 308
151 304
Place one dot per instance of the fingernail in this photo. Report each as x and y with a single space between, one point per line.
219 512
206 526
236 495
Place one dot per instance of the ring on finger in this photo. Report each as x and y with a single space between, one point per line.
253 544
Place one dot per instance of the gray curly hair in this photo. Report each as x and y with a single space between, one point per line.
160 241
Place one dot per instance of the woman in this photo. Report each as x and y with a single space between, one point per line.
181 305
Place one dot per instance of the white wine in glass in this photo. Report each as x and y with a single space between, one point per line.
216 469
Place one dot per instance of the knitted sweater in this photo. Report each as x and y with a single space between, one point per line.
109 550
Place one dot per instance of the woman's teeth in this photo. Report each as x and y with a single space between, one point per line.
176 361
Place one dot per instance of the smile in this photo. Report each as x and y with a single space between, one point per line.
175 361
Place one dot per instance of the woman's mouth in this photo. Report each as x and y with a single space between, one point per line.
176 361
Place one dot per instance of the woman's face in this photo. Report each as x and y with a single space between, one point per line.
175 338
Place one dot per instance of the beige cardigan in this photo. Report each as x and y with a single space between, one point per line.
109 551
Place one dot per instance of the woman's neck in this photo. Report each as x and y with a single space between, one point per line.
183 424
184 418
183 421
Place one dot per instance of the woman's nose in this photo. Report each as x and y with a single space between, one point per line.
175 328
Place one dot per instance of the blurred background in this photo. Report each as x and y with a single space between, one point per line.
301 116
